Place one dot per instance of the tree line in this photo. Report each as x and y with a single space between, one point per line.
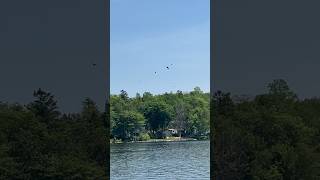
39 142
272 136
148 116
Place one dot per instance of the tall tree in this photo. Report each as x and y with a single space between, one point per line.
124 95
95 131
44 106
158 115
128 125
180 119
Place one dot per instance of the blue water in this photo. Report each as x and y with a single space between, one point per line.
162 160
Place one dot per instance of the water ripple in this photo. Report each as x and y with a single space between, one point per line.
161 160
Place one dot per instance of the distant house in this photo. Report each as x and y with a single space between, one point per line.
170 132
173 131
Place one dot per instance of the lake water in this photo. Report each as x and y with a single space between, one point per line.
161 160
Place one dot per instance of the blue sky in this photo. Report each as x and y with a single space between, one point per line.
149 35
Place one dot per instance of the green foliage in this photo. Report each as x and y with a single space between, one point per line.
128 125
37 142
158 115
272 136
186 112
45 106
144 137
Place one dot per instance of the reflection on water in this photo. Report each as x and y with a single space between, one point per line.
161 160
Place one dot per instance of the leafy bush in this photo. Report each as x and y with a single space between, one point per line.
144 137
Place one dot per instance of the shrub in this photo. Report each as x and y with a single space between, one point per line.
144 137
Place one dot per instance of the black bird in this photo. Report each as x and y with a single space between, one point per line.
167 67
155 72
94 64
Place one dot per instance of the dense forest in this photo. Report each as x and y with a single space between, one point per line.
39 142
148 116
272 136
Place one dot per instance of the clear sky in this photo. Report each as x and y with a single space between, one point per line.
149 35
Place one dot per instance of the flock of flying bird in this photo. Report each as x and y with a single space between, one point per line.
95 64
166 68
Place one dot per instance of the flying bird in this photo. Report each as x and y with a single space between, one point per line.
94 64
167 67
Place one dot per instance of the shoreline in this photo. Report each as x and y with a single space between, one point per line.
157 140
